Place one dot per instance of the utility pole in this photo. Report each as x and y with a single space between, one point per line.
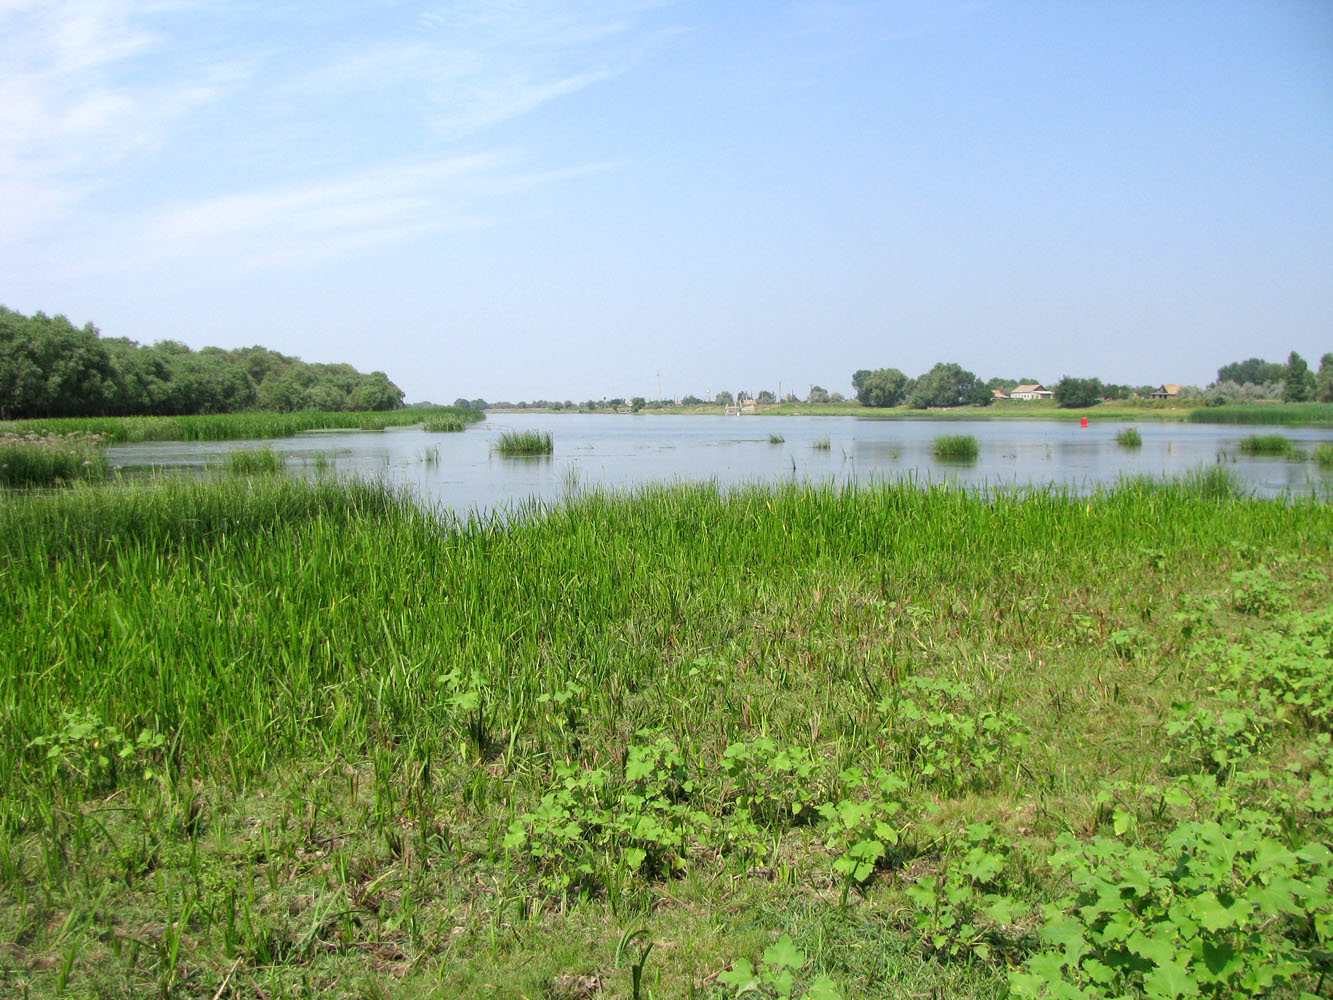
659 385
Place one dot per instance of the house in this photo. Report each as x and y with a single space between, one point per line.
1168 391
1033 391
998 394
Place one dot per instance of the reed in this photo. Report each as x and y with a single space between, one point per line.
443 425
1266 444
776 439
821 444
524 443
1295 414
961 447
253 461
1323 454
47 459
1129 437
235 426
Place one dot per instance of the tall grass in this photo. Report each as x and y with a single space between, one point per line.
1129 437
437 425
277 727
956 446
235 426
821 444
1309 414
48 459
1266 444
253 461
522 443
1323 454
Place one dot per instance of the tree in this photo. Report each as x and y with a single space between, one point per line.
1076 393
818 394
1324 384
1252 371
881 387
637 403
1298 383
766 397
724 398
946 384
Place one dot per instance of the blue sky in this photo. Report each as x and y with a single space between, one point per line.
562 200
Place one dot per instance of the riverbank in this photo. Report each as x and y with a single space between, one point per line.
269 737
1121 410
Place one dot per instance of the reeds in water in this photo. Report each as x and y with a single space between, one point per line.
444 425
1129 437
960 447
51 459
253 462
522 443
821 444
1308 414
1324 455
776 439
1265 444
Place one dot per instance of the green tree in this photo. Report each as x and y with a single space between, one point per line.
1252 371
1324 383
724 398
818 394
1298 383
637 403
1076 393
881 387
945 385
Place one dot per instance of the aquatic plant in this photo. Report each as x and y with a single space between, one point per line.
1265 444
47 459
1129 437
956 446
253 461
522 443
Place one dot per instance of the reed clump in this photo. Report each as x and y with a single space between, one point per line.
776 439
523 443
1129 437
821 444
48 459
253 461
1307 414
1323 455
1266 444
960 447
444 425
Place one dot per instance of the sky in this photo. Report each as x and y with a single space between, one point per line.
579 199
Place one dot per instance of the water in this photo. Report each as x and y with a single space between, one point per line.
623 452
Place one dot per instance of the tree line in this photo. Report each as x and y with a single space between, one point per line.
50 368
949 385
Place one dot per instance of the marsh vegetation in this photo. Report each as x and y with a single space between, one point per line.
287 738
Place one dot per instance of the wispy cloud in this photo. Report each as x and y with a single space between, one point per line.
103 101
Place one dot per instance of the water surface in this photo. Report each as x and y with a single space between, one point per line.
461 470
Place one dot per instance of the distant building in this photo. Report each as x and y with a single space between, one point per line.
1033 391
1167 391
998 394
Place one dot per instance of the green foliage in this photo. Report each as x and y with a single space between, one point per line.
776 439
1298 382
947 385
50 369
776 976
93 755
444 425
1253 371
1295 414
864 827
520 443
773 785
961 447
1323 455
1129 437
1077 393
881 387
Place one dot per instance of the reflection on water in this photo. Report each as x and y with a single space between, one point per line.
622 452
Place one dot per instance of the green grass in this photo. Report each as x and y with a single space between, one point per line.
776 439
523 443
1266 444
956 446
821 444
1295 414
1323 454
253 461
275 737
47 459
1129 437
445 424
234 426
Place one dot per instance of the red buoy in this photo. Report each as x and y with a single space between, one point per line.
1083 422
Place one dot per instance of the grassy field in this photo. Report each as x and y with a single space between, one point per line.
269 738
234 426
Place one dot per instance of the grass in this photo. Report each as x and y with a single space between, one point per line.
821 444
253 461
34 459
1129 437
962 447
445 424
776 439
233 426
1295 414
284 738
522 443
1323 454
1265 444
